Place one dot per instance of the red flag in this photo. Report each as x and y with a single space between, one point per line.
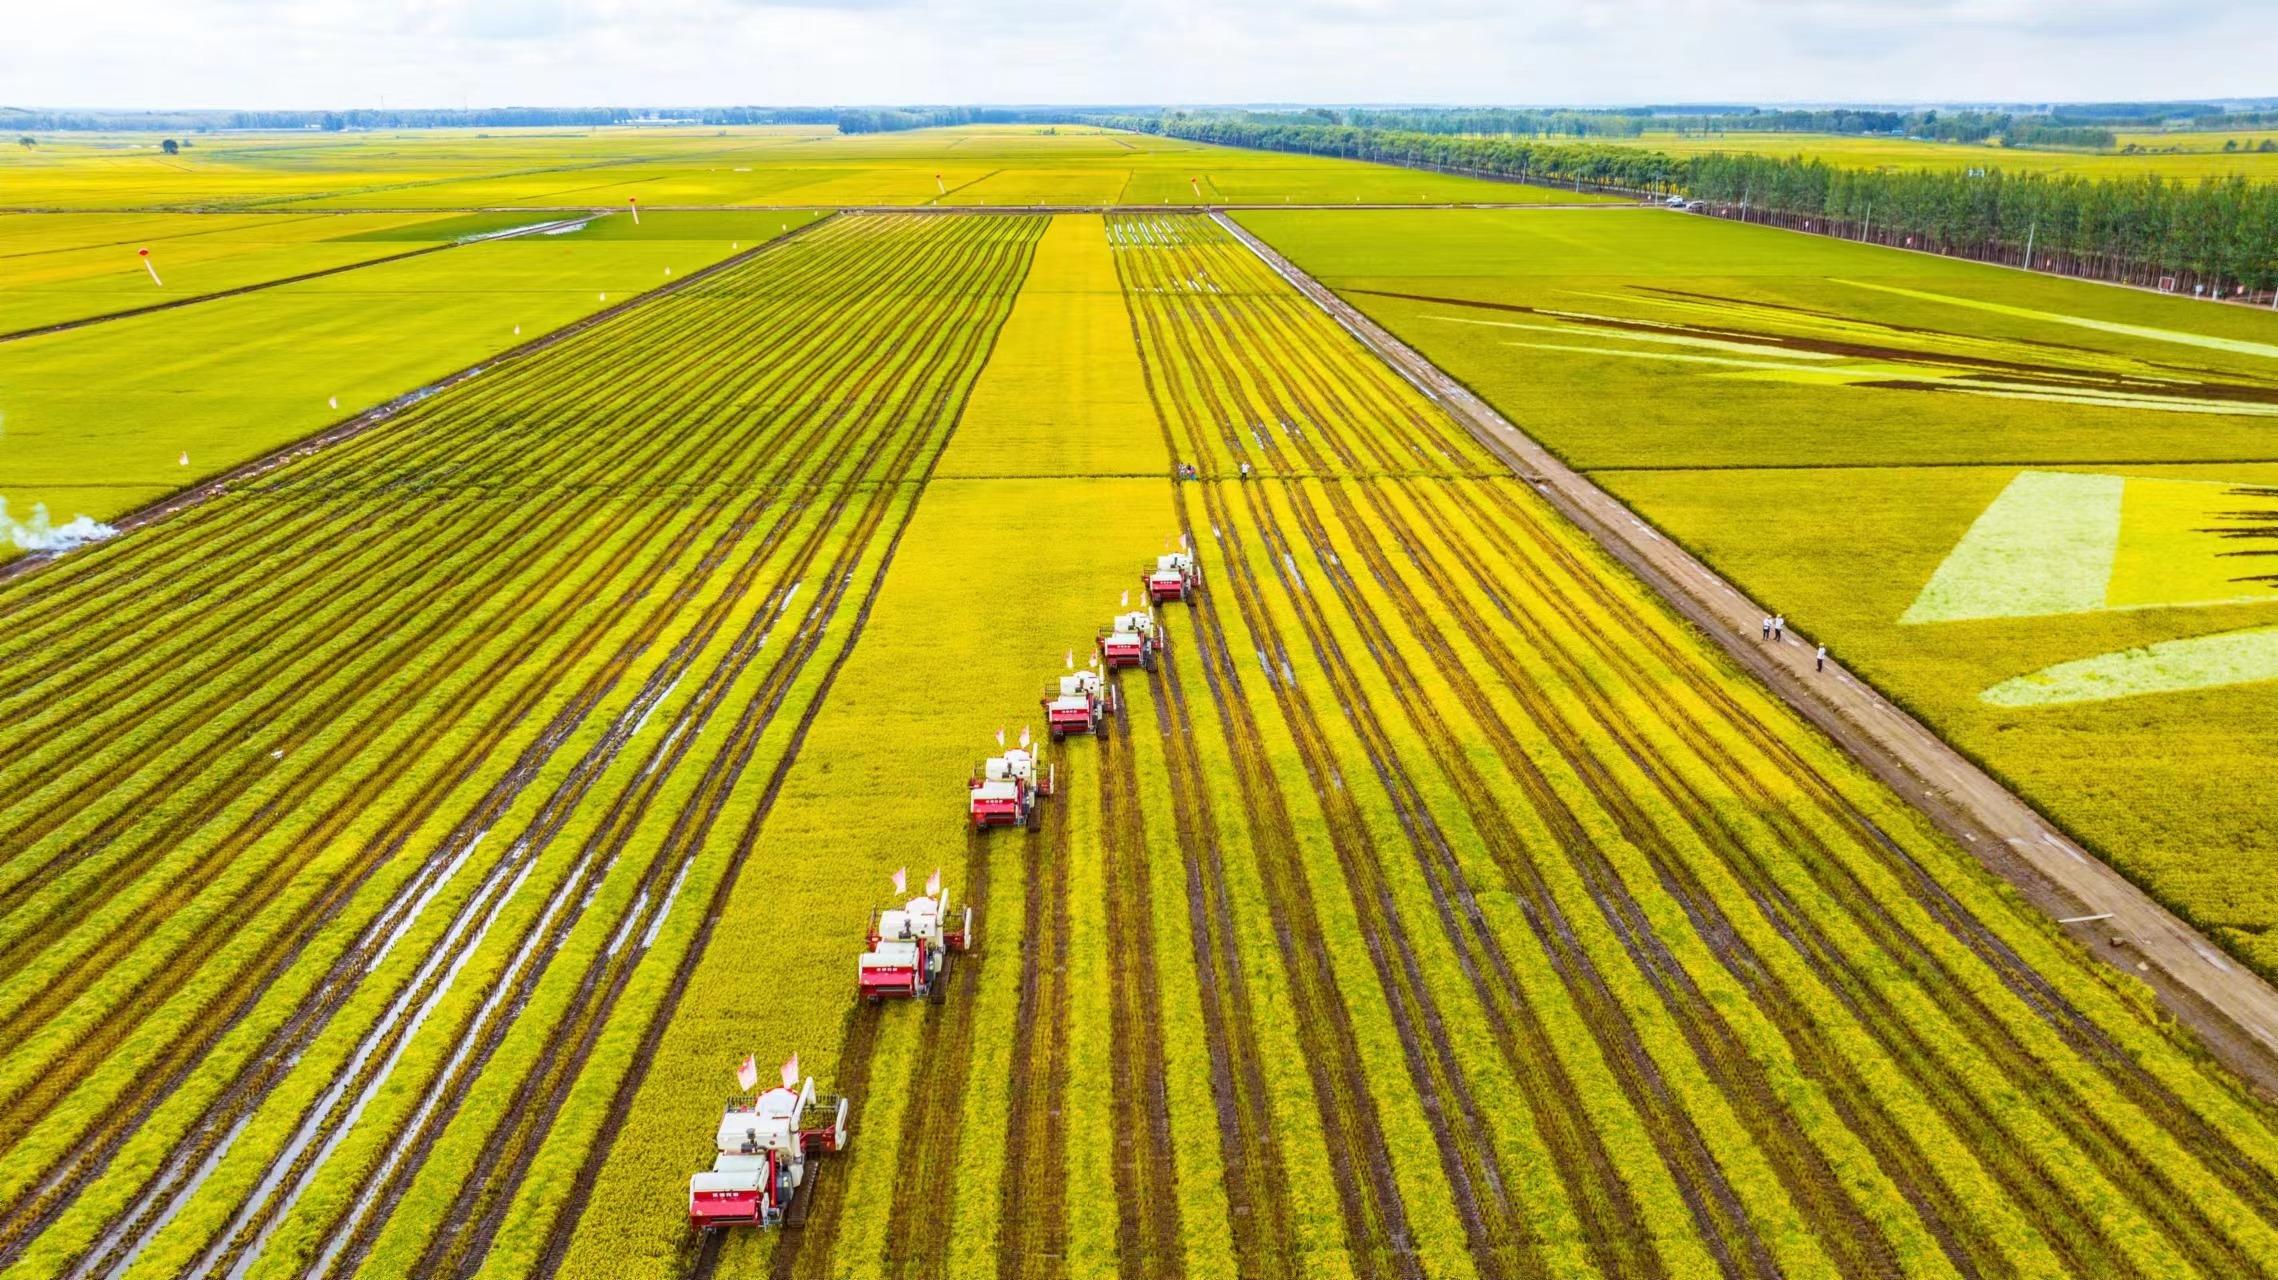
933 884
901 879
791 1073
1024 737
1000 739
747 1075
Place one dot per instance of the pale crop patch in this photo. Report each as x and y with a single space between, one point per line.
2171 666
2045 546
2177 336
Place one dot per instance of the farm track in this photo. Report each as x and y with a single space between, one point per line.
313 1016
540 685
469 829
1032 1218
1147 1233
1374 1214
919 1215
687 836
1257 1187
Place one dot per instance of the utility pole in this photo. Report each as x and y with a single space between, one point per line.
1867 228
2029 232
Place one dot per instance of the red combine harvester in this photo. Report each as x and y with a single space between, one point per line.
909 946
1080 702
1132 640
1175 578
1008 790
764 1143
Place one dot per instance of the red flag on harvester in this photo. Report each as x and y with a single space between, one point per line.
747 1075
1000 738
791 1073
1024 737
901 879
933 884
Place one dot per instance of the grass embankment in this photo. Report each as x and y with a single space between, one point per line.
1826 422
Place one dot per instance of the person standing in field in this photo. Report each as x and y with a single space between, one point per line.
1820 660
1779 626
1767 626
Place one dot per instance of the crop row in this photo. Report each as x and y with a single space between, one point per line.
324 911
1734 1009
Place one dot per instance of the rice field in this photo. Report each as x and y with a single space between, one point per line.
744 166
2024 507
2184 156
522 662
399 850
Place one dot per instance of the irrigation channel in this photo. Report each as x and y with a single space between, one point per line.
1438 903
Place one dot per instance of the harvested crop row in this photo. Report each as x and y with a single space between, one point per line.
1670 788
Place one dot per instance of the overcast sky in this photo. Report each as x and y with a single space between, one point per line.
341 53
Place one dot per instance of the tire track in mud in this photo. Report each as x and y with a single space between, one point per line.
1804 1170
1032 1217
1256 1186
307 1021
1146 1167
688 837
1374 1213
618 963
919 1216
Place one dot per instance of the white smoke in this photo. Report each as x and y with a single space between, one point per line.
41 533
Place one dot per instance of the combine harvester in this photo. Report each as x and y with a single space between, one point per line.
1175 579
764 1143
908 949
1009 790
1132 640
1079 702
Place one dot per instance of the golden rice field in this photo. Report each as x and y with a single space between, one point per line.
400 849
2185 156
769 166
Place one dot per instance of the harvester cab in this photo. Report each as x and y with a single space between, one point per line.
763 1146
1079 702
908 947
1008 790
1175 578
1132 640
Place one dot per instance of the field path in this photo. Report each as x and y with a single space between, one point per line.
2231 1008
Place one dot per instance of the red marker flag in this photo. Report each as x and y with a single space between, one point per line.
791 1073
747 1075
151 267
933 884
901 879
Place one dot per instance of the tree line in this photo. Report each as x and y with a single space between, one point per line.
2218 233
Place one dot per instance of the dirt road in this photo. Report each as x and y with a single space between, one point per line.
2230 1007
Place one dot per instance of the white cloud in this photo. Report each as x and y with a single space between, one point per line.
323 53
